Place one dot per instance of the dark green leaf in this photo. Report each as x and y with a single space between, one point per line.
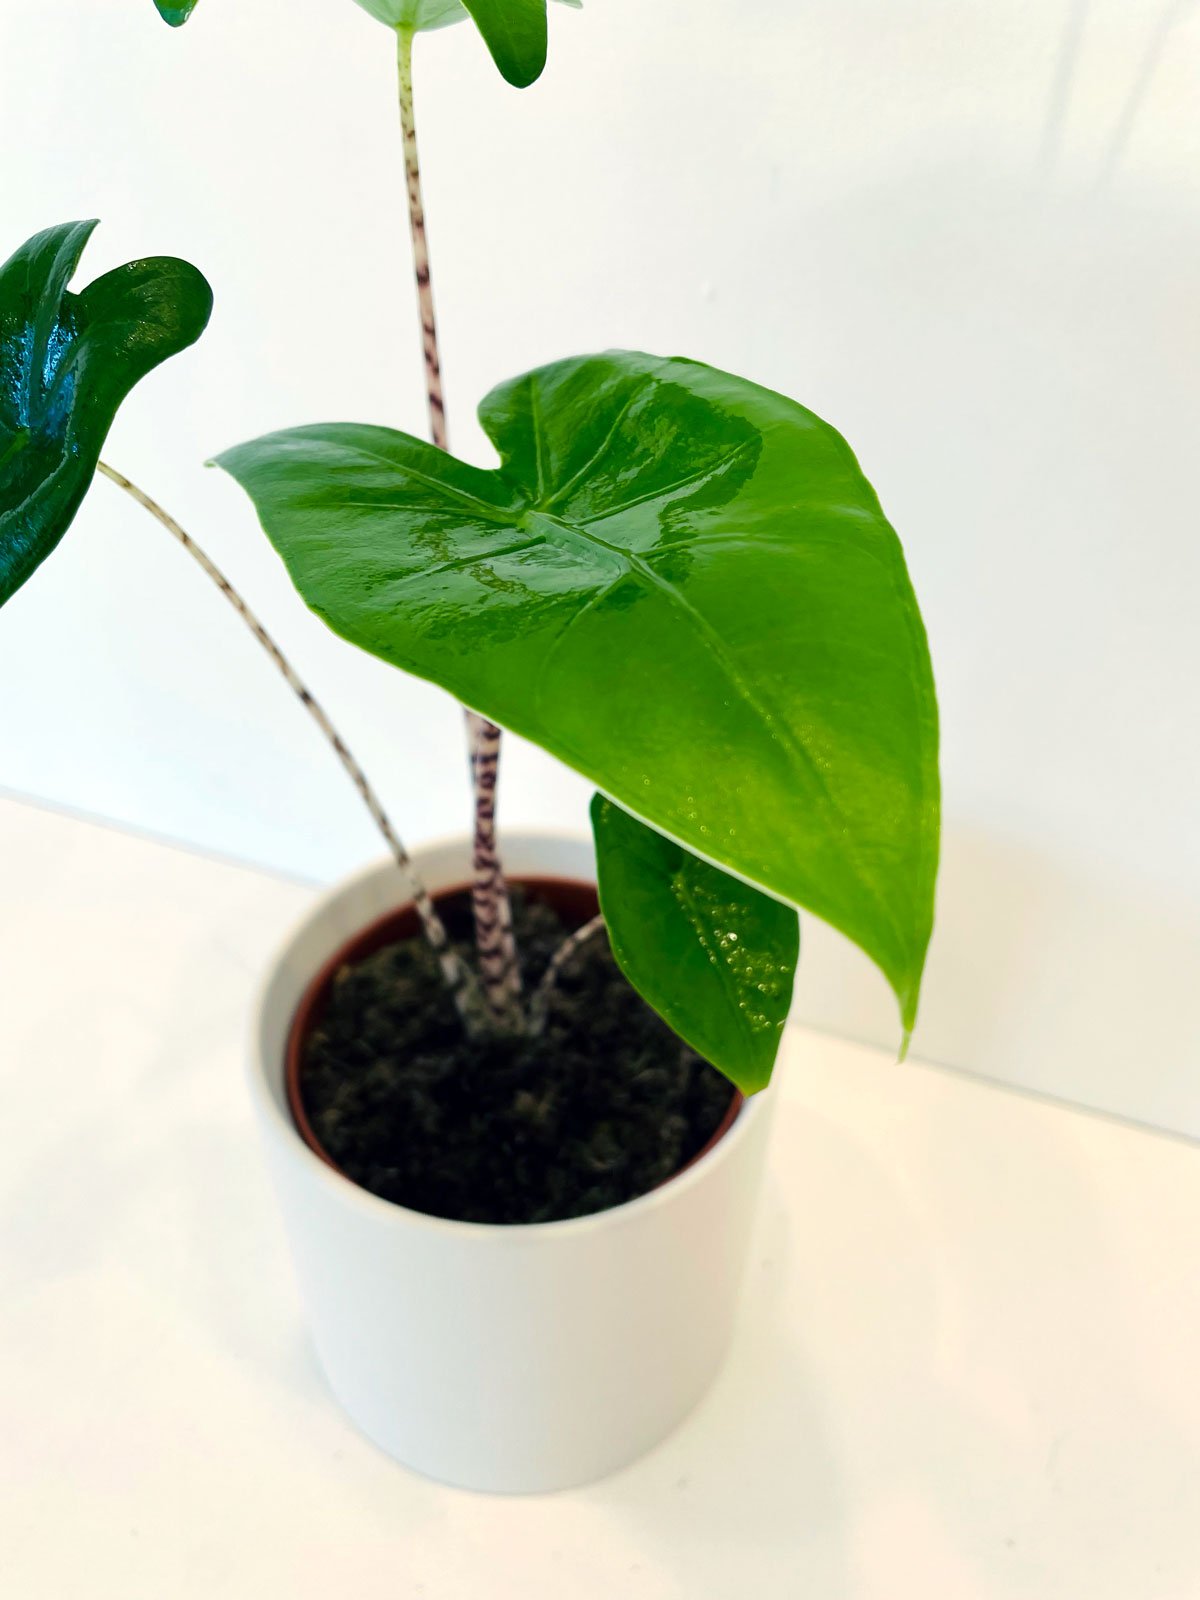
679 583
714 957
176 12
67 362
515 33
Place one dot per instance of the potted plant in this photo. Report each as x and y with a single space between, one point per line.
516 1112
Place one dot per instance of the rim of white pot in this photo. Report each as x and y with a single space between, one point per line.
351 1193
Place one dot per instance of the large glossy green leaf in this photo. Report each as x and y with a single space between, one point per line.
678 582
67 361
714 957
513 30
176 12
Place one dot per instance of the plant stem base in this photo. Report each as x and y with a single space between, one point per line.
601 1107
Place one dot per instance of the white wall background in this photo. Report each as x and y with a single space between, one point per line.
965 231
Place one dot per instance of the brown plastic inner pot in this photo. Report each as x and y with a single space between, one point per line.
576 903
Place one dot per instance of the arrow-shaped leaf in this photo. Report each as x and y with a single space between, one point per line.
714 957
679 583
67 361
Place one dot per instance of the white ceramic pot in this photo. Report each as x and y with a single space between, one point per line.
504 1358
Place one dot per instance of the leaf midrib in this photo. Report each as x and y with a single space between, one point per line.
700 476
776 728
509 517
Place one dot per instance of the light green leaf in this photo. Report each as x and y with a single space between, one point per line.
677 582
418 16
67 362
176 12
715 958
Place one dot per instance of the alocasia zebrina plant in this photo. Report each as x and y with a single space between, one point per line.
675 580
681 584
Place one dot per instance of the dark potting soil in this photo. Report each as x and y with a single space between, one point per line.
605 1105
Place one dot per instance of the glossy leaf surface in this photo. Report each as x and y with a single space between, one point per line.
714 957
67 361
176 12
679 583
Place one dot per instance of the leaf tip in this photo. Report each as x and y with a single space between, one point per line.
521 79
175 12
517 44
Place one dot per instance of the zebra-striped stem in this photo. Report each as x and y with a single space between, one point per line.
458 978
499 966
420 244
540 1002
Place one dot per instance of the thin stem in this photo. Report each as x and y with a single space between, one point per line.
498 962
458 979
492 906
540 1003
420 244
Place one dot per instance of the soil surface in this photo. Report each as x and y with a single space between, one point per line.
603 1107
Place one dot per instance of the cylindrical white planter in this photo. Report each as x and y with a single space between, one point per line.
503 1358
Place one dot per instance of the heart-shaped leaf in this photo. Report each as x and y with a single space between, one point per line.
176 12
67 361
513 30
714 957
679 583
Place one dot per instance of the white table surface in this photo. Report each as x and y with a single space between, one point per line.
968 1363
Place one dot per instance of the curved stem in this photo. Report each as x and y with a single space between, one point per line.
458 979
498 961
540 1003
